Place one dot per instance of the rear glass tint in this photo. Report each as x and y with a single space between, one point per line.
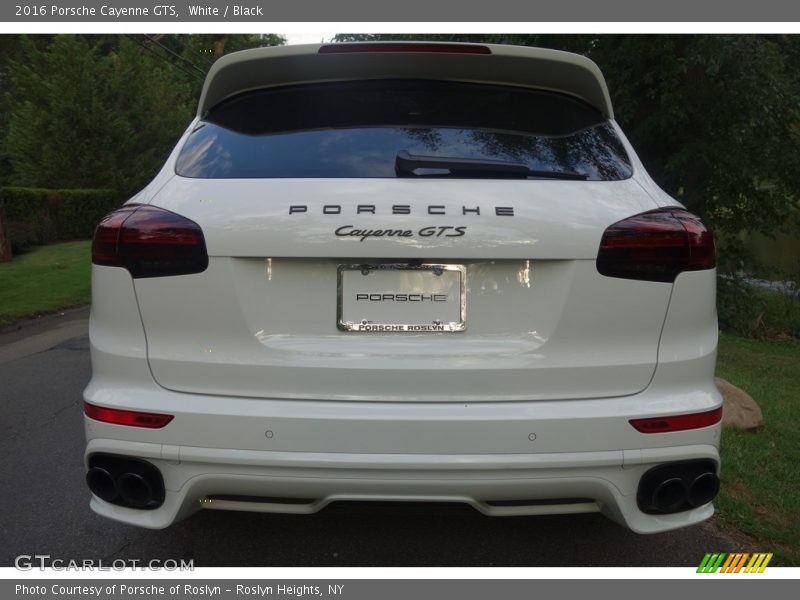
356 129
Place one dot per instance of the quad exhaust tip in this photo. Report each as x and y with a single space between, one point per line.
676 487
125 481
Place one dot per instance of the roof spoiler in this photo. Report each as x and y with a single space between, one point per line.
496 64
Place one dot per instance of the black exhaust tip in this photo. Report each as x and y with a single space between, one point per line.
134 490
125 481
102 484
669 495
703 489
677 486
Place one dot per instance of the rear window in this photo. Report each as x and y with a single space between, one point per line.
357 129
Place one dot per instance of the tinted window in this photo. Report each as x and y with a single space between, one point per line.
356 129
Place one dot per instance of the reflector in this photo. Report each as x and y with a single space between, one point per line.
126 417
678 422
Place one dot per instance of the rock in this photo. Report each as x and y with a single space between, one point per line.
738 408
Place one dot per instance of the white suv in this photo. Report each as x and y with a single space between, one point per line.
403 271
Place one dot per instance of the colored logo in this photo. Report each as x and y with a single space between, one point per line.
737 562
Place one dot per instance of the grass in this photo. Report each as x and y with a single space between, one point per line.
760 492
44 280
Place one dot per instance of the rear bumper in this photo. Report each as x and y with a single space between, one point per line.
522 458
579 482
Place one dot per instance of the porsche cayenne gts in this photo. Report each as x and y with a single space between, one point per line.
423 272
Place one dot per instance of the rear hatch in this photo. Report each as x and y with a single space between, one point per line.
403 240
541 322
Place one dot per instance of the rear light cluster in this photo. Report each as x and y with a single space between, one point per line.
149 242
656 246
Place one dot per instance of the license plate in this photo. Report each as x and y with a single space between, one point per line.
386 298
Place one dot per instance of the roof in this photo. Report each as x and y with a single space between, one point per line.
523 66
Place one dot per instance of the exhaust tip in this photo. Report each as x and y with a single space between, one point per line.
669 495
125 481
677 486
135 490
703 489
101 483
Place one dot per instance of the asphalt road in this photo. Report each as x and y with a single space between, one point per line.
44 504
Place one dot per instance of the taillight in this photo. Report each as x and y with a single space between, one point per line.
678 422
149 242
656 246
131 418
349 48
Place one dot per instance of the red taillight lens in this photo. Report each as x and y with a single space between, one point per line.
130 418
656 246
403 47
106 235
150 242
678 422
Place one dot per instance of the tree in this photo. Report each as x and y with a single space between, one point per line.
11 50
81 117
103 111
715 119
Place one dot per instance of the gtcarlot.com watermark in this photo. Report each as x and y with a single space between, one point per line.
29 562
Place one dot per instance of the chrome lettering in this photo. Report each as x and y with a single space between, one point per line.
363 234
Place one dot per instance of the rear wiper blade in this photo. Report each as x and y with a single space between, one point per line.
406 163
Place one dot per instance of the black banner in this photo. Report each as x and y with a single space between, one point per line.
498 11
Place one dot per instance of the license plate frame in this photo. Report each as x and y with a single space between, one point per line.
417 274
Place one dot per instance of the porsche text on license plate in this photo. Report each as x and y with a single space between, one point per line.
401 298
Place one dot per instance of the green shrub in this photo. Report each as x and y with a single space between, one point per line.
41 216
29 216
22 236
757 312
79 211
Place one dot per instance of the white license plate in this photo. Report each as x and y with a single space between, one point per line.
402 298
